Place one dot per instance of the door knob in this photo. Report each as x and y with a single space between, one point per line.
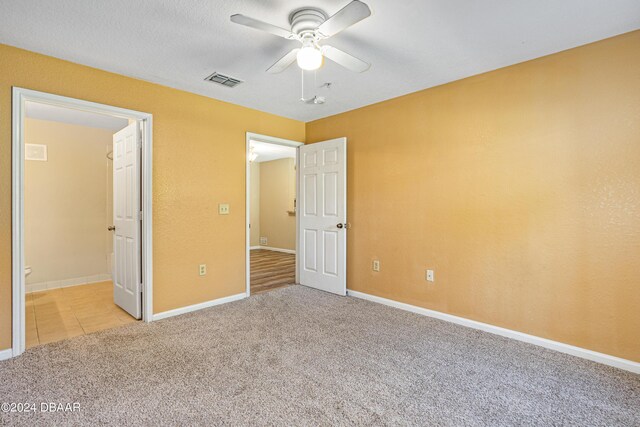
345 225
111 228
340 225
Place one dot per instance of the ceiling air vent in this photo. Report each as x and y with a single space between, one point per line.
35 152
223 80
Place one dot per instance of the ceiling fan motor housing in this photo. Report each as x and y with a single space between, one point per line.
306 20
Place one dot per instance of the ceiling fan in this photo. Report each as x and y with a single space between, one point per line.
309 26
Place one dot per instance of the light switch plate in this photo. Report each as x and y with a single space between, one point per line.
223 209
203 269
375 266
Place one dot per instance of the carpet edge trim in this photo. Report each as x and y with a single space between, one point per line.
594 356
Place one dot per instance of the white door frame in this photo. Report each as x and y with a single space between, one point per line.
277 141
20 96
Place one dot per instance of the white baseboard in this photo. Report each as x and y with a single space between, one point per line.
6 354
253 248
56 284
200 306
617 362
269 248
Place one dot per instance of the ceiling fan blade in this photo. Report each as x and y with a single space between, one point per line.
349 62
284 62
354 12
260 25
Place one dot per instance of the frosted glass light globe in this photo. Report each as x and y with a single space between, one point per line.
309 58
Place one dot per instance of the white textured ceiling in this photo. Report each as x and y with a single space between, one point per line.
36 110
412 44
267 152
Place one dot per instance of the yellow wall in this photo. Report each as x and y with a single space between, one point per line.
199 161
277 194
520 187
66 203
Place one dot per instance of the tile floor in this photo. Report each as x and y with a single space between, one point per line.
64 313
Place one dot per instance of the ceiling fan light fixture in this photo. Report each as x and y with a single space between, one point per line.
309 26
309 58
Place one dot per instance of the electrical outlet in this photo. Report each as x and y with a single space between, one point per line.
223 209
429 276
376 265
263 241
203 269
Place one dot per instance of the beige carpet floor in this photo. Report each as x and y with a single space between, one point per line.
296 356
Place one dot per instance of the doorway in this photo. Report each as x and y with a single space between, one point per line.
81 217
320 211
271 213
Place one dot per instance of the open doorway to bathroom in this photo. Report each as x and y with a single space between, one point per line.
80 231
68 218
272 225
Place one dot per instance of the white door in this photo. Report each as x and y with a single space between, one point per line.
322 237
126 217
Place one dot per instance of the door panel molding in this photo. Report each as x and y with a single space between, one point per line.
322 207
126 220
